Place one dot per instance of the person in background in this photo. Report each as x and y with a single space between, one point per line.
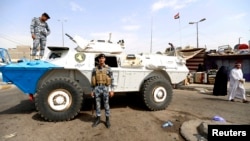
200 68
171 46
220 84
236 84
39 31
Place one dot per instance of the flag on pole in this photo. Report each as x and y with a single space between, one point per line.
177 16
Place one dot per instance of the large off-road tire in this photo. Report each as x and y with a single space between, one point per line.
59 99
157 93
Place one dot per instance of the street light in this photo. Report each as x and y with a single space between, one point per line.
62 21
197 29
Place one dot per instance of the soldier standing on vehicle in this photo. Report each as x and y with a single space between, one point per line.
39 31
102 87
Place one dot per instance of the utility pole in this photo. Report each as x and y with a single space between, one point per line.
151 35
197 35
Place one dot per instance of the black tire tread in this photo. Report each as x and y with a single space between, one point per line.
59 117
146 87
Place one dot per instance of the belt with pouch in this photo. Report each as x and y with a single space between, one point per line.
100 84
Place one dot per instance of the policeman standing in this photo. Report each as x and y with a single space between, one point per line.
102 87
39 31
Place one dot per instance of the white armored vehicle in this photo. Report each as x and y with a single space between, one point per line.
60 81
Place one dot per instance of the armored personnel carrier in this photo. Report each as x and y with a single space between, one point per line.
60 81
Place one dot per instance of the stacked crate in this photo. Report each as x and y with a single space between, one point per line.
200 77
211 74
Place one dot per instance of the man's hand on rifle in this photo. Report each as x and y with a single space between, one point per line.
92 94
111 93
33 36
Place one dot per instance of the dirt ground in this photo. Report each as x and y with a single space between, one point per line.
130 121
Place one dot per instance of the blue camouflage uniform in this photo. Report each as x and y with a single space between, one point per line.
41 30
102 91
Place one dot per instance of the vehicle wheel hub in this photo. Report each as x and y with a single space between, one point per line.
159 94
59 100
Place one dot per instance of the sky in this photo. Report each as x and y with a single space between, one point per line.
144 25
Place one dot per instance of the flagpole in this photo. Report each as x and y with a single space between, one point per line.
177 16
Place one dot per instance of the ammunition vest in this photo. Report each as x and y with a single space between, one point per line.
101 77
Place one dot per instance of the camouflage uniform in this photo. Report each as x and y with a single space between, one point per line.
102 91
41 30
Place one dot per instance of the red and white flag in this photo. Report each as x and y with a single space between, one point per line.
177 16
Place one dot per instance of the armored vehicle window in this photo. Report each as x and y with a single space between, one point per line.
110 61
55 55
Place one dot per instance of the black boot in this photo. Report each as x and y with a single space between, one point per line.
97 121
107 122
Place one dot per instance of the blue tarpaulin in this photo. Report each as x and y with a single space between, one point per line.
25 75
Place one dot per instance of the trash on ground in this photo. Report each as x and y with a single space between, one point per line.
218 118
167 124
10 135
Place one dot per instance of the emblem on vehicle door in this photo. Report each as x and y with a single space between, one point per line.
80 57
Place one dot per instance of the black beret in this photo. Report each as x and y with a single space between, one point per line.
46 15
101 55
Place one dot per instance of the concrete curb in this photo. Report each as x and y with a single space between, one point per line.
196 129
208 88
194 88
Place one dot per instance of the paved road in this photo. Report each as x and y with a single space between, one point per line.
19 119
